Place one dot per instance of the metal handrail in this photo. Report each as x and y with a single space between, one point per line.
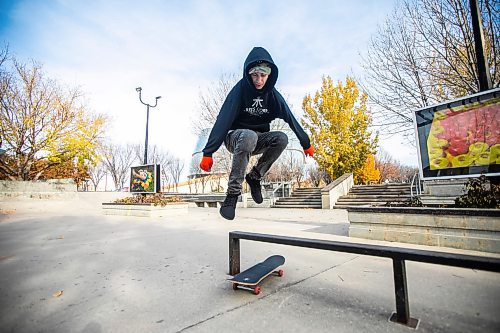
399 256
415 181
281 185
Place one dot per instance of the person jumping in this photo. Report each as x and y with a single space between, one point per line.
243 124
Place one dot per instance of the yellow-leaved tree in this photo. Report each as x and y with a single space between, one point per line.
44 129
337 120
368 172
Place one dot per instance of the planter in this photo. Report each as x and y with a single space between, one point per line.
145 210
468 229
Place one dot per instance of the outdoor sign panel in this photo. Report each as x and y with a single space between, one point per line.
460 138
145 178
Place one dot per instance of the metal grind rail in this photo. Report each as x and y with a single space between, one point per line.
397 254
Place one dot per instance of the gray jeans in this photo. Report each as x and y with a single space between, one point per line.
243 143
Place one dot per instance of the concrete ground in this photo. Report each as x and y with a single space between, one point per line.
65 267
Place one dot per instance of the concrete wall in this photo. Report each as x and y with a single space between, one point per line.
446 187
442 191
145 210
339 187
468 229
52 188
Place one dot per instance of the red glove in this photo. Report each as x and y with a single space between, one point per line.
309 151
206 163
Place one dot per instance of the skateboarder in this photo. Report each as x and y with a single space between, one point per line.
243 126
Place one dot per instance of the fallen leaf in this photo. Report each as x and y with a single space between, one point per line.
7 211
58 293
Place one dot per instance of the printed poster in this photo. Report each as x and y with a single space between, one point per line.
460 138
143 179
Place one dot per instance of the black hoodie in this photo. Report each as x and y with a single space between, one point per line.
246 107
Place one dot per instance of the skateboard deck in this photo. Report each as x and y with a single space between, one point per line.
251 277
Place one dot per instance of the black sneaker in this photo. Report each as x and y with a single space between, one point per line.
255 189
228 206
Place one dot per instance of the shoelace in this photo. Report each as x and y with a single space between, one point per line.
230 201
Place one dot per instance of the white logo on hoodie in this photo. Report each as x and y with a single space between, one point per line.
257 102
257 109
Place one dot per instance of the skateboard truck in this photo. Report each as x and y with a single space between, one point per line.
256 289
249 279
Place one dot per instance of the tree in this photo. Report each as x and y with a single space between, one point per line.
76 169
211 101
317 176
118 160
42 125
288 168
338 120
368 173
388 167
175 169
424 54
391 170
97 173
156 156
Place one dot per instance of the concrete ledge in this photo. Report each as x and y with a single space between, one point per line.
266 203
442 191
42 189
38 195
468 229
339 187
145 210
215 201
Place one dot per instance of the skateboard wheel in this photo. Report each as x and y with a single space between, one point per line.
281 273
256 291
235 286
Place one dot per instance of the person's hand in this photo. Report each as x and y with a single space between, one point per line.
309 151
206 163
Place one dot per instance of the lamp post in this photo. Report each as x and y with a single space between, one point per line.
139 90
482 61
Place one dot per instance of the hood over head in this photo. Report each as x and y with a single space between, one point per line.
256 56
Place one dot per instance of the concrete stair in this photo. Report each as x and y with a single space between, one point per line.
375 195
301 198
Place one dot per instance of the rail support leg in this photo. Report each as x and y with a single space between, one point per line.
234 255
402 314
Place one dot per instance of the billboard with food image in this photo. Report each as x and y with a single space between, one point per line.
460 138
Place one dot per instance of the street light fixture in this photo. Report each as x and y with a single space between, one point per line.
139 90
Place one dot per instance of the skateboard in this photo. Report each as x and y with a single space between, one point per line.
250 278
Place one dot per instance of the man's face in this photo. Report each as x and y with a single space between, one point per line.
259 79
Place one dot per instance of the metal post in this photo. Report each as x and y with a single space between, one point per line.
139 90
482 61
402 315
234 255
146 143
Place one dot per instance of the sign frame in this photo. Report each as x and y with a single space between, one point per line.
150 184
423 119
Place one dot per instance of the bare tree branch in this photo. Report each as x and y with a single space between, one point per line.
424 54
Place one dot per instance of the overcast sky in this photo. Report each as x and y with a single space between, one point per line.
176 49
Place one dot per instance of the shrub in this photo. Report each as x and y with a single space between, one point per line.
155 199
480 194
